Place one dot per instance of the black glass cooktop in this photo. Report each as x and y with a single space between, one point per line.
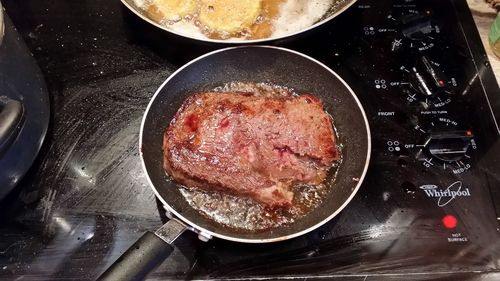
429 207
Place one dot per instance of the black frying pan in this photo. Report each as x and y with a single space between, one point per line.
252 64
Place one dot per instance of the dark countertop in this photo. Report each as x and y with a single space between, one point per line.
86 199
90 59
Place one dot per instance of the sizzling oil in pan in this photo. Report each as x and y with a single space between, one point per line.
270 18
245 214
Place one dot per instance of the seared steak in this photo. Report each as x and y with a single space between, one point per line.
250 144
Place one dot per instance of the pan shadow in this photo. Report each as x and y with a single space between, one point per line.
179 50
220 258
174 48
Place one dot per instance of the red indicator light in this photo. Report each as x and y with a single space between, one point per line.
441 83
468 133
449 221
428 12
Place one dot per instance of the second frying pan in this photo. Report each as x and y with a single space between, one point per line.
336 8
249 64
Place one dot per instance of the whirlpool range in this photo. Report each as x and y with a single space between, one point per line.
429 208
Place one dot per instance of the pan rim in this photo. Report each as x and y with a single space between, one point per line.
2 26
254 41
200 230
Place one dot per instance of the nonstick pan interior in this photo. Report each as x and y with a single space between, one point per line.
259 64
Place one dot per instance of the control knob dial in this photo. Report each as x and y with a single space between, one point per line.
445 145
427 79
449 146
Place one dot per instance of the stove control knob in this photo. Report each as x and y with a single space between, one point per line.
416 26
426 78
449 146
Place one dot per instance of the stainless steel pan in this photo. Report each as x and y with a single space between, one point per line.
254 64
338 7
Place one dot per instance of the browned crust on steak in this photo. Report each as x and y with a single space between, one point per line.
250 145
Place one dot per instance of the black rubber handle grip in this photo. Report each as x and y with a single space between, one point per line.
139 260
11 118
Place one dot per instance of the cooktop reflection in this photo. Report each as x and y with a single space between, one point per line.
428 208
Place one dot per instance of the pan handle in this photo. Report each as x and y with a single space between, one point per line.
12 115
146 254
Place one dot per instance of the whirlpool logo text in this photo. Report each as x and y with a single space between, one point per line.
445 196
